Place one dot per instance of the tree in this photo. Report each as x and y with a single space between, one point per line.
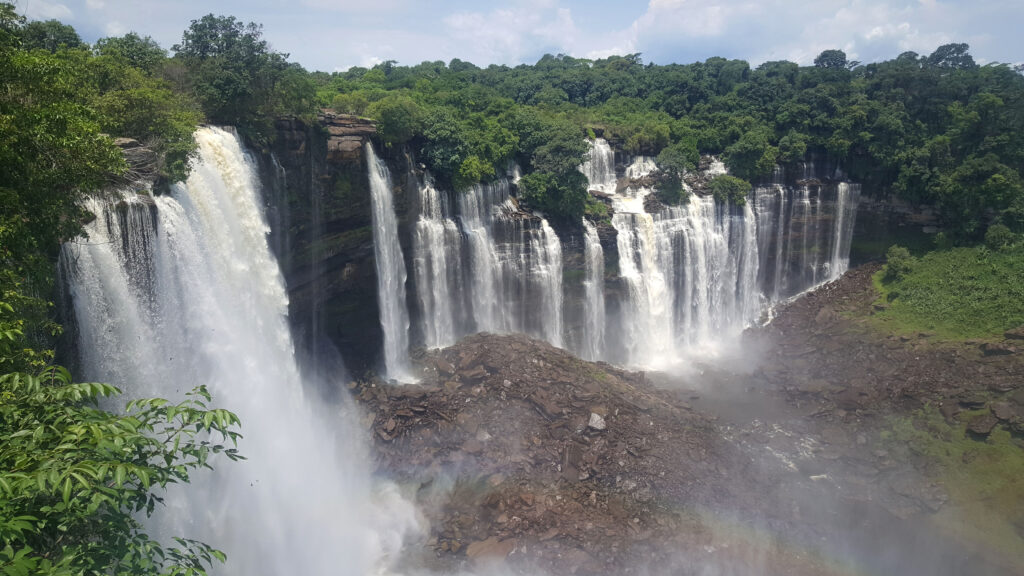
238 80
137 51
398 118
831 59
49 35
10 25
953 56
73 477
729 189
899 263
752 156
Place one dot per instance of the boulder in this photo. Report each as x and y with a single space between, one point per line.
1015 334
982 424
997 349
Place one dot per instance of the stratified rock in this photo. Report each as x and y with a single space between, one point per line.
346 135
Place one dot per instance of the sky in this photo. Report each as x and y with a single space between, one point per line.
333 35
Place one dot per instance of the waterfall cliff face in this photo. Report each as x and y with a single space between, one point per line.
483 266
182 290
391 273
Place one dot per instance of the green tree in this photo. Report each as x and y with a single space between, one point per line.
729 189
238 80
74 478
898 264
752 156
398 117
51 35
831 59
138 52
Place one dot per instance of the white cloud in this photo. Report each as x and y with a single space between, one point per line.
95 4
358 6
672 30
45 10
115 28
508 35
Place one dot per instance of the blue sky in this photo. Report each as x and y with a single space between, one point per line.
336 34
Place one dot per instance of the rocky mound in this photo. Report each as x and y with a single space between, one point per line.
523 451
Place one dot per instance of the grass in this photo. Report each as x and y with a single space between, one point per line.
957 294
984 478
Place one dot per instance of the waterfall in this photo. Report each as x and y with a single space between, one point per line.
182 290
844 212
482 265
437 264
694 276
690 277
599 167
391 275
592 345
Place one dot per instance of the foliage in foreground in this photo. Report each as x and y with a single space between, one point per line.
957 293
74 477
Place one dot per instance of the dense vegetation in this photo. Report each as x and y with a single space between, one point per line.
935 129
957 293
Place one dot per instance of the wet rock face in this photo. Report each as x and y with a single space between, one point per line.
318 208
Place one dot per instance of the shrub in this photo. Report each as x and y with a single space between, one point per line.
729 189
999 236
899 263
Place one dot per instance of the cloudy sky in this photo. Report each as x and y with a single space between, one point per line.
336 34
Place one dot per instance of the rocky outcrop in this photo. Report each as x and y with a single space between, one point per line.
523 451
318 205
346 135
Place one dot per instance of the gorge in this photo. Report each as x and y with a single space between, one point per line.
585 316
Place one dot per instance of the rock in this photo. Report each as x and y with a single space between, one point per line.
596 422
982 424
949 410
997 349
1003 411
1018 396
825 316
491 548
973 401
1015 334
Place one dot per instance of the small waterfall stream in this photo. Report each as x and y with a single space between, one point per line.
592 346
182 290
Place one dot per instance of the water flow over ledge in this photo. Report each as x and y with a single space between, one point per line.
391 274
182 290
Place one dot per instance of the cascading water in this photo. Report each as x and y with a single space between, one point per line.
391 274
592 344
697 274
600 167
437 264
502 269
182 290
